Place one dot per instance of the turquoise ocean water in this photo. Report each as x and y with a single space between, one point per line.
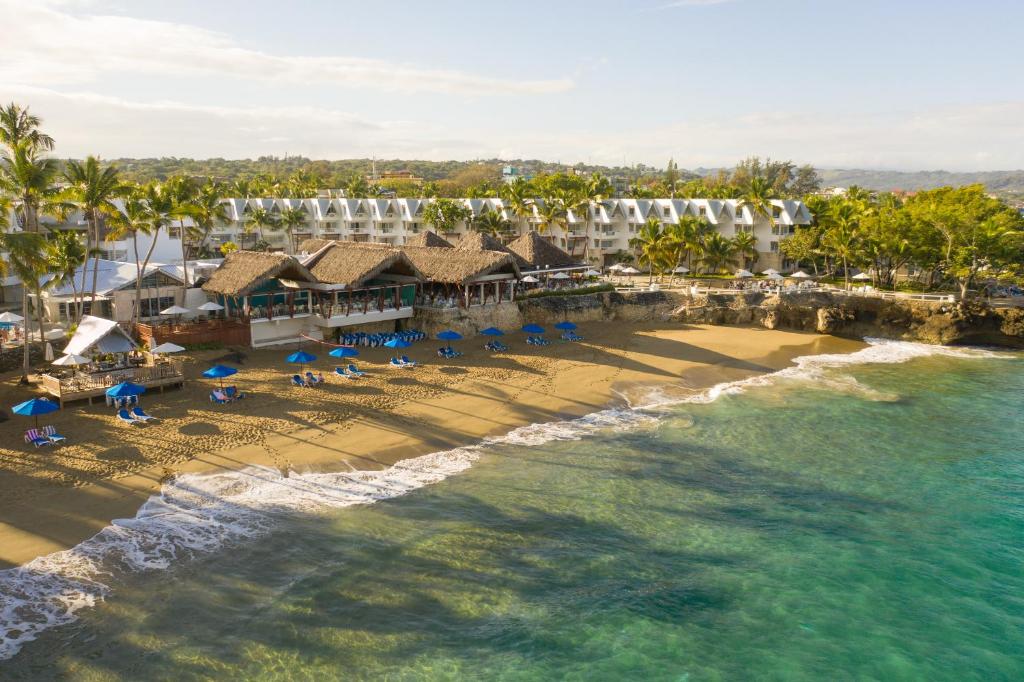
849 519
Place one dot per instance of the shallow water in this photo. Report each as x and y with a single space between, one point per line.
838 521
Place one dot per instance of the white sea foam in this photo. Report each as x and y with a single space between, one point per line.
198 514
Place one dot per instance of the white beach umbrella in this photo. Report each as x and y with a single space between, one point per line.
799 274
167 348
560 275
617 267
591 273
55 334
630 271
11 317
770 271
71 360
681 270
861 276
744 273
175 310
529 279
774 276
210 306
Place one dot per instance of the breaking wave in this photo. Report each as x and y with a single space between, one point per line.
196 514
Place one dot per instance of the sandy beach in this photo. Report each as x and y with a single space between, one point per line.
53 498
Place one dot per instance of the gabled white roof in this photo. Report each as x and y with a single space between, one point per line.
111 275
98 334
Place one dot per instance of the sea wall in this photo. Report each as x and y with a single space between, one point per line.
859 317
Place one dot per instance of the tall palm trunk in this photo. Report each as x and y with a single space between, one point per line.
95 262
184 251
137 317
25 364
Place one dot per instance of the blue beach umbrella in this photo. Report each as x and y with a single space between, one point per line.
533 329
125 389
35 407
449 335
344 352
300 358
492 331
219 372
397 342
565 326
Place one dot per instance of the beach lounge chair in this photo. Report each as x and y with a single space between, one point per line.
215 399
355 371
395 362
297 380
311 380
233 393
33 436
406 362
139 413
50 432
340 371
125 417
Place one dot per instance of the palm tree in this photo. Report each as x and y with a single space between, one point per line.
65 255
26 260
258 219
551 214
28 177
357 187
290 219
746 244
182 192
17 126
651 245
599 190
843 235
517 198
757 196
139 217
491 222
718 253
92 189
208 211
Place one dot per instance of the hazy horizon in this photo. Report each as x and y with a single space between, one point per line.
919 86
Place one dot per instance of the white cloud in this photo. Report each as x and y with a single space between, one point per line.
980 137
44 44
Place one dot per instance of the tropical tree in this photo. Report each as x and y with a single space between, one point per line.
491 222
290 219
26 260
842 236
29 179
550 214
259 219
93 189
803 246
757 197
357 187
208 211
517 197
138 217
444 214
17 125
745 244
66 255
719 252
650 245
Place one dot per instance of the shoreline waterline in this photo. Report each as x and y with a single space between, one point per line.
200 512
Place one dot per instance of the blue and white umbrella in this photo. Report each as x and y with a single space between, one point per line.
35 407
344 352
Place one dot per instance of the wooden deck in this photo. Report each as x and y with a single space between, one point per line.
83 386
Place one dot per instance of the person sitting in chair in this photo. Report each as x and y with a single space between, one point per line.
219 394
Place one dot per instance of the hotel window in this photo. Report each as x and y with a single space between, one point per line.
703 212
632 212
774 247
776 211
666 212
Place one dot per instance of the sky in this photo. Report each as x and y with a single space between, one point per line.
883 84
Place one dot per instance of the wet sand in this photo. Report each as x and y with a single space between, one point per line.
53 498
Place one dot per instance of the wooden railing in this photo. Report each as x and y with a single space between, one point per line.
78 385
232 332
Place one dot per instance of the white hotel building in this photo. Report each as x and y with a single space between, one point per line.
609 226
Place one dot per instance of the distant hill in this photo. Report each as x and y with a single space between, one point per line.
1007 183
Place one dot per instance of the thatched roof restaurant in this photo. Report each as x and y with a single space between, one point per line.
540 254
348 264
478 241
428 239
243 272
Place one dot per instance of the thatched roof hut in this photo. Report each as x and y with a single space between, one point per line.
540 253
314 244
428 239
478 241
244 271
458 266
350 264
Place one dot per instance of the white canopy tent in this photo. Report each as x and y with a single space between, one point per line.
770 271
861 277
97 335
175 310
744 273
800 274
11 318
560 275
210 306
71 360
775 277
591 273
630 271
167 348
529 279
681 270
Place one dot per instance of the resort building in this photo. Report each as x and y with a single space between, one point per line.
282 298
602 232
